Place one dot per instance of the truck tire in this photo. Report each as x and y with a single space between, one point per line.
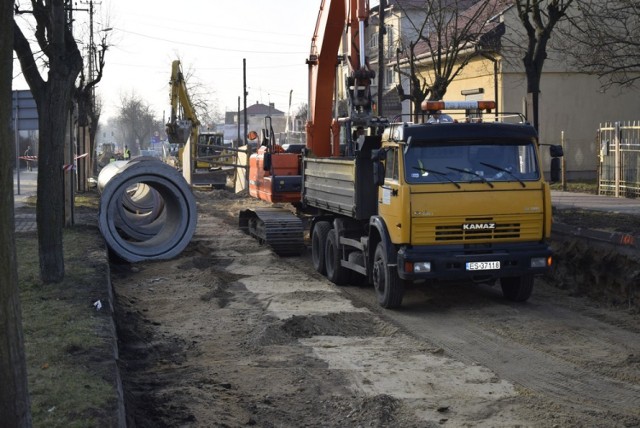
388 285
336 273
517 288
318 244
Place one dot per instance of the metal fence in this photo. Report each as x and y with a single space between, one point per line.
619 166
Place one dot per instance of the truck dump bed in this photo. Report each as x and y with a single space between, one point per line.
341 185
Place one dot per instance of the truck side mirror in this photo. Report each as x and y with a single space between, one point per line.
378 173
555 170
556 151
378 167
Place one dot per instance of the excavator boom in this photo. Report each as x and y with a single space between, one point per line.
334 17
179 130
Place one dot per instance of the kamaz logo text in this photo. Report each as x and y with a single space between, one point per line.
478 226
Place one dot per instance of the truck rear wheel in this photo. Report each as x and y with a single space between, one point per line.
389 287
517 288
336 273
318 243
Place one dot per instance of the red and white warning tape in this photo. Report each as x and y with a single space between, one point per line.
71 166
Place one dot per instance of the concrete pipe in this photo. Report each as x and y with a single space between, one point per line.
143 199
141 214
108 172
132 236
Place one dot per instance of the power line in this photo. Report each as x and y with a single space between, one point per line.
229 35
209 47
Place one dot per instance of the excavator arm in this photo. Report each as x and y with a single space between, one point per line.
183 122
276 176
334 19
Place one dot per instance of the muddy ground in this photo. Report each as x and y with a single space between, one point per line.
228 334
604 272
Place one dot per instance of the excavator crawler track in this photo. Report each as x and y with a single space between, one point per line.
279 228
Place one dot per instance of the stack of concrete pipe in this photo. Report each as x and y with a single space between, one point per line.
147 209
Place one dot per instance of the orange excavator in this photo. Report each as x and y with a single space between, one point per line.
275 175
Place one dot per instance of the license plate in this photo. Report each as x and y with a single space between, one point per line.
483 265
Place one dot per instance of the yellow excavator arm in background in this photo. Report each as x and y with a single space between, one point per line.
183 122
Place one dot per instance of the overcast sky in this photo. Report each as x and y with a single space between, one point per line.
211 38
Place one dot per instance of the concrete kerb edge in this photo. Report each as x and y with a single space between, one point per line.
121 416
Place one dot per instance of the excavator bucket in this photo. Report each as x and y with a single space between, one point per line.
179 132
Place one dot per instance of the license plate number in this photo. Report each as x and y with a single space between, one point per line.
483 265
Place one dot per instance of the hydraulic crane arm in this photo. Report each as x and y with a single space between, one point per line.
334 18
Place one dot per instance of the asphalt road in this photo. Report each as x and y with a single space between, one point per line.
24 185
563 200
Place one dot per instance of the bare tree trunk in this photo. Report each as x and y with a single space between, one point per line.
14 395
53 111
52 97
538 18
533 100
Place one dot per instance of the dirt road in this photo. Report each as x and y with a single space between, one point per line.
228 334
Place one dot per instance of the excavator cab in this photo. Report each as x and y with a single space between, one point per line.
274 175
267 140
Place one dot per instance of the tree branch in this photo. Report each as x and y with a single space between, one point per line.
27 60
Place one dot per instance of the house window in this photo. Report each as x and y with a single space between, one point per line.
373 42
389 76
391 41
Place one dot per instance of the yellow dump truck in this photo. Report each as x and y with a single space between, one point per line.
441 201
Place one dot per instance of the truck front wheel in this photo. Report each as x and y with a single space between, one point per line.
335 271
388 285
318 243
517 288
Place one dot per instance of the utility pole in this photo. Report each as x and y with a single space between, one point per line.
69 173
91 44
85 164
238 144
382 30
244 91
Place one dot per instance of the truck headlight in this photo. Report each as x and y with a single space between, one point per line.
421 267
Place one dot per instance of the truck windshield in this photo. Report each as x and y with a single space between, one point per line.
466 162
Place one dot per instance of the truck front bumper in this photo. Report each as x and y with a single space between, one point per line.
460 262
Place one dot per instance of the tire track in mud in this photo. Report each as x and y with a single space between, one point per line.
553 351
536 370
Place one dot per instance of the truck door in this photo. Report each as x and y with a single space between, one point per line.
390 204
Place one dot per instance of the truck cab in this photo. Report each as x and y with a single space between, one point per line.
442 200
466 200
